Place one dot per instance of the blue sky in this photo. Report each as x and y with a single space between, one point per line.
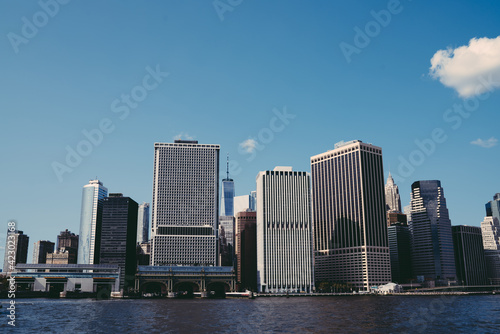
231 71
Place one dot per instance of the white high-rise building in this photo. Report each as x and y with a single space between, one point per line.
284 231
90 229
245 202
143 223
490 230
185 204
392 198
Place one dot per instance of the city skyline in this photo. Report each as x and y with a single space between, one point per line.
290 80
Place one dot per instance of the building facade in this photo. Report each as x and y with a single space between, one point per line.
433 256
143 223
40 250
16 244
400 250
90 222
490 230
284 231
185 207
246 250
350 230
67 242
226 240
245 202
118 236
470 262
392 198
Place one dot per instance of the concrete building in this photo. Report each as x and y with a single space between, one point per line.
470 262
99 281
68 242
185 207
90 222
60 256
432 243
350 229
245 202
16 250
40 250
143 223
118 237
284 231
246 250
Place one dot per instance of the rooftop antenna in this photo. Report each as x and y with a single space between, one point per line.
227 170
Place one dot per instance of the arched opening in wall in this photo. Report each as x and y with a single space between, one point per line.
186 289
218 289
153 289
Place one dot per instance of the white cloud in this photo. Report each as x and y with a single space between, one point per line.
249 145
469 69
485 143
183 135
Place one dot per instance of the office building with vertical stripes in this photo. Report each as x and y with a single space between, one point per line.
284 231
349 216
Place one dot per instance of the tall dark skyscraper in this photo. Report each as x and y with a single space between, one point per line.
19 244
469 255
349 214
432 242
118 236
400 249
41 249
246 250
227 200
185 208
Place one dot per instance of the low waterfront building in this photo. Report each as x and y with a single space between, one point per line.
104 280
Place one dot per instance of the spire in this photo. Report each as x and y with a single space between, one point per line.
227 170
390 180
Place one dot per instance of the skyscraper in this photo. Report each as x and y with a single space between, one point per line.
246 250
399 248
118 236
432 242
185 204
90 222
392 198
18 245
41 249
490 230
68 242
493 207
143 223
227 200
350 230
284 231
226 240
469 255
